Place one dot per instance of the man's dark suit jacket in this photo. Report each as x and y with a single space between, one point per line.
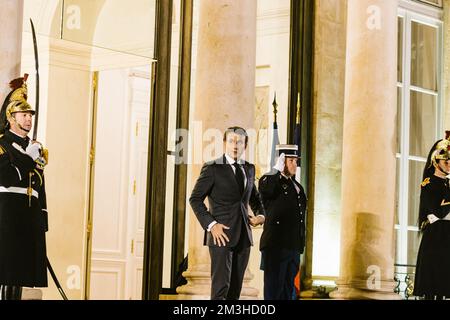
226 205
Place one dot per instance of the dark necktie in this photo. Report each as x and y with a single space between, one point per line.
239 177
25 142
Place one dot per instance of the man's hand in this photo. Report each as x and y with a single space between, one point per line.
34 150
256 221
280 163
219 235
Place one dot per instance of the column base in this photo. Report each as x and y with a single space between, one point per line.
199 287
358 290
307 284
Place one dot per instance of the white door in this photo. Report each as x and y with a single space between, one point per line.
140 101
119 184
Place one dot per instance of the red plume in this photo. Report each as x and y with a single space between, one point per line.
17 83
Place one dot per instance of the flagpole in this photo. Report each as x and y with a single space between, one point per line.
275 137
298 173
275 108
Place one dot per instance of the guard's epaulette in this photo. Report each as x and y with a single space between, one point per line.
2 150
425 182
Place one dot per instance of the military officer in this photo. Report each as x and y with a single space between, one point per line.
283 238
432 279
23 209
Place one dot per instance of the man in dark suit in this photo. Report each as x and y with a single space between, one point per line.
229 184
283 238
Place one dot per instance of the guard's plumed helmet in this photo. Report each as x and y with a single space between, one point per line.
442 150
16 101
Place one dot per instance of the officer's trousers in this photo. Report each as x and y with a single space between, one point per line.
280 268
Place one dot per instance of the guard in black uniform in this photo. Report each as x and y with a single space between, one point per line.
432 279
283 238
23 208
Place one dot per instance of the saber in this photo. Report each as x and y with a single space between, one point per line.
36 60
36 122
55 279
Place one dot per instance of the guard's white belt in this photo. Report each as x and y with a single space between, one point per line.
447 217
19 190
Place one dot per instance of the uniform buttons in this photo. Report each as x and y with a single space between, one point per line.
278 222
285 193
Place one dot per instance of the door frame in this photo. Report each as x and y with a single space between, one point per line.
90 206
157 153
301 62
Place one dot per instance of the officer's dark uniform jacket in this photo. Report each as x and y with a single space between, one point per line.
433 260
23 216
285 213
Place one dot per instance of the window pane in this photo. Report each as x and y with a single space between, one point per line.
398 258
415 179
422 131
174 72
400 50
423 56
168 222
399 119
272 57
397 187
413 246
171 142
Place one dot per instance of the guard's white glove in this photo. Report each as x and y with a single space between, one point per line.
280 163
33 150
432 218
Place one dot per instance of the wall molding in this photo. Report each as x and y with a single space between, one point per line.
110 267
428 10
78 56
273 22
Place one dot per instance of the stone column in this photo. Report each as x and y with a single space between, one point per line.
11 17
224 96
446 75
368 162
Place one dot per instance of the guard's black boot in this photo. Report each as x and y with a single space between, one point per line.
2 292
11 292
17 293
